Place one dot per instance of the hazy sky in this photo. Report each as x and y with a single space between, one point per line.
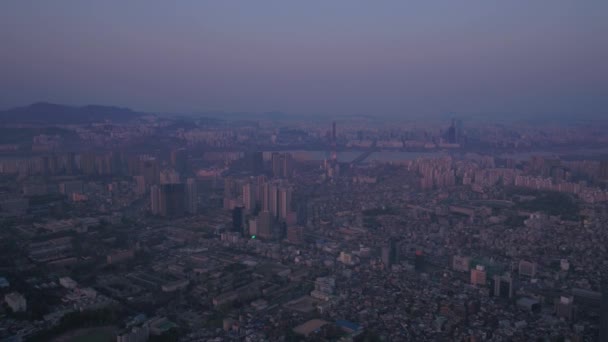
331 57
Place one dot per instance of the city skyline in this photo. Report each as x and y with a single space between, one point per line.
274 171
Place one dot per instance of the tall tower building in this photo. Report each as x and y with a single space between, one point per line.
179 160
155 199
264 224
284 202
248 197
254 162
333 132
149 168
604 170
275 160
87 163
191 196
287 169
238 219
282 165
172 200
389 253
273 200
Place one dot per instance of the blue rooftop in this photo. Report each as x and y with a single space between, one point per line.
4 282
348 325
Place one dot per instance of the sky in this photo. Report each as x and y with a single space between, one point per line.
329 57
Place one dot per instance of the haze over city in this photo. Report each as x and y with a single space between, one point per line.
398 58
276 171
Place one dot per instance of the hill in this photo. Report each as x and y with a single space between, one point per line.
49 113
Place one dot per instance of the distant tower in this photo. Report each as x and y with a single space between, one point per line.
248 197
333 132
238 219
179 160
603 173
284 202
155 199
172 200
191 196
334 154
503 286
389 253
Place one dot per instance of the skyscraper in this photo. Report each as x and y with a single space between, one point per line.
172 200
273 200
149 168
503 286
275 161
282 165
238 219
264 225
191 196
179 160
604 170
284 202
333 132
154 199
248 197
389 253
254 162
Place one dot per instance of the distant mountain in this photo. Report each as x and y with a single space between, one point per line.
49 113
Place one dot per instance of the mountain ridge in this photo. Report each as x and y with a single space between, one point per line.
52 113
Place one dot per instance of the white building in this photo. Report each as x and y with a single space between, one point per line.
16 302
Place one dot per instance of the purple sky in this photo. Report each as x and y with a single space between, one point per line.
546 57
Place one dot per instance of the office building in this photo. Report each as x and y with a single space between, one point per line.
503 286
564 308
461 263
478 276
527 268
389 253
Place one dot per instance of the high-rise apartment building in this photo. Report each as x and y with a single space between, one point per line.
172 200
179 160
191 196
